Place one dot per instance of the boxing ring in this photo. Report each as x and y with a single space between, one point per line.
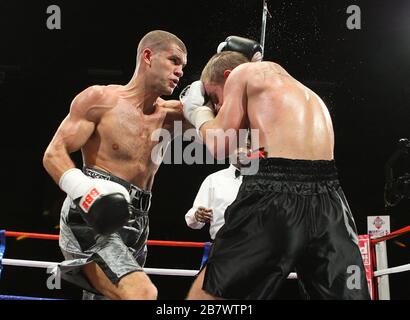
372 251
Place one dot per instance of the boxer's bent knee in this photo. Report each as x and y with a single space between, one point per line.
137 286
196 292
134 286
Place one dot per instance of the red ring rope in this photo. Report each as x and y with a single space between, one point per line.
161 243
391 235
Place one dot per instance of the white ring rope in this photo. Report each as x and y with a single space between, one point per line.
174 272
405 267
28 263
171 272
154 271
45 264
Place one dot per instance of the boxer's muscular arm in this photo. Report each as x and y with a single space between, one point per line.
73 132
174 112
232 114
103 204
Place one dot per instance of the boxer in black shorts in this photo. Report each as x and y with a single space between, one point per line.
292 213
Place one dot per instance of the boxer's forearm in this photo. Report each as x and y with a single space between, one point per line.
56 161
216 139
175 113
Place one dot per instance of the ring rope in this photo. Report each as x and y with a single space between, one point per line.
405 267
161 243
391 235
152 271
164 243
46 264
8 297
182 272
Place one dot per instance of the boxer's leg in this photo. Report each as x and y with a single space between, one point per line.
133 286
332 266
196 292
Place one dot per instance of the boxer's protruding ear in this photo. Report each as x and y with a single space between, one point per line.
147 55
227 73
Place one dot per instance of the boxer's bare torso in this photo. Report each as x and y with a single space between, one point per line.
114 130
293 122
122 141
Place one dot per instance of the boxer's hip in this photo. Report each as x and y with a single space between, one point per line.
293 176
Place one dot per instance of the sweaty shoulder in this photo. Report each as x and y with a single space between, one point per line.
238 78
88 103
242 69
252 71
266 74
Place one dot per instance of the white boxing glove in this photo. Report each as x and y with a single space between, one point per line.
193 101
104 204
76 184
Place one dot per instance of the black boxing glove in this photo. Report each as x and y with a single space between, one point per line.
104 205
250 48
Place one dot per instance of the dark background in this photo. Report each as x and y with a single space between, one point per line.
362 75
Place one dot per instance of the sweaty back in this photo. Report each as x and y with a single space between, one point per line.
293 121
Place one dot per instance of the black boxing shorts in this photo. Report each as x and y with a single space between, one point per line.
117 254
291 215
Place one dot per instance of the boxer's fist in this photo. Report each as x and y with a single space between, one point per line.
250 48
193 101
103 204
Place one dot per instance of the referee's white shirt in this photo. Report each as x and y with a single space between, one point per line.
217 192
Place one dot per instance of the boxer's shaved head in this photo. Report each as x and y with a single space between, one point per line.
159 40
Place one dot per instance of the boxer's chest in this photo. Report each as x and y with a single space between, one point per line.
129 133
